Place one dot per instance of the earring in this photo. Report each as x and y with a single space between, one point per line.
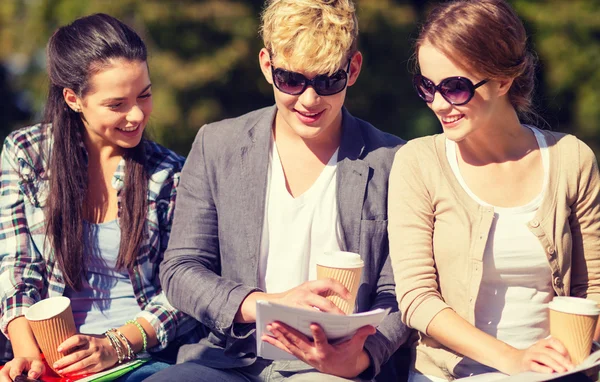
77 110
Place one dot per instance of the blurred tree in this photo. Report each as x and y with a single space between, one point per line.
202 55
204 65
13 109
383 94
566 35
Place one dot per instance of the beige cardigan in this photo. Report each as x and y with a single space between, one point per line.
438 235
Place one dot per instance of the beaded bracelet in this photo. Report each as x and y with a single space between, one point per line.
116 344
125 341
142 332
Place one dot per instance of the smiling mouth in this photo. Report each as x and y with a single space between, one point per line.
128 129
453 118
309 115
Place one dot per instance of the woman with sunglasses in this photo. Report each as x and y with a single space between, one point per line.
493 218
86 204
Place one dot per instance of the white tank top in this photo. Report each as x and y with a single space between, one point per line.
517 281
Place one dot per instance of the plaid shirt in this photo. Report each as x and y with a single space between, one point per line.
28 270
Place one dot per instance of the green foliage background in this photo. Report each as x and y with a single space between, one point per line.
204 64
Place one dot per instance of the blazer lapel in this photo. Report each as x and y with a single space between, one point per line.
352 178
255 163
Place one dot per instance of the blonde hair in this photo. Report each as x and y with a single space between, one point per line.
315 36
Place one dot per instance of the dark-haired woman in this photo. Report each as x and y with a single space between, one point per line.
493 218
86 205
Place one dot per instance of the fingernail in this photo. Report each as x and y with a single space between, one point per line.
60 349
33 375
55 366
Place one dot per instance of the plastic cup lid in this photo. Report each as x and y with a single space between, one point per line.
340 259
574 305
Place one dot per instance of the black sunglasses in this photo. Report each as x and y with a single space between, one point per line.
456 90
294 83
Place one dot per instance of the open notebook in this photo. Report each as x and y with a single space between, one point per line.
336 327
114 372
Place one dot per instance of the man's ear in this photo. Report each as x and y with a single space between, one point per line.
355 66
264 59
72 100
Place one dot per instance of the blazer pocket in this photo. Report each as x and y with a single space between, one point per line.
373 238
373 247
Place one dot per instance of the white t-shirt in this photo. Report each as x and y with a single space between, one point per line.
297 229
517 283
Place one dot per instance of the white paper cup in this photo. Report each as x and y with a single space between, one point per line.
345 267
573 322
51 321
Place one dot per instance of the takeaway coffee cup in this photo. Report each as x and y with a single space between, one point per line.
573 321
51 321
345 267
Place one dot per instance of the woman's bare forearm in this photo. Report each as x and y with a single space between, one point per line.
456 333
22 339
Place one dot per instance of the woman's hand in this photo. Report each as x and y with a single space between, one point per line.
85 354
545 356
33 366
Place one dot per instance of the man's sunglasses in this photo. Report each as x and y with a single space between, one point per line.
295 83
456 90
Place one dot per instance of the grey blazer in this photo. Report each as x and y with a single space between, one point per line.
211 263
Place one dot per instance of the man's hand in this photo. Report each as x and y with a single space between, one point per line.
347 359
308 295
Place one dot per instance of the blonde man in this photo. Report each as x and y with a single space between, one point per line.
262 194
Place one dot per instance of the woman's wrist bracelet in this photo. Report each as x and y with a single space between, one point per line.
116 344
125 342
142 332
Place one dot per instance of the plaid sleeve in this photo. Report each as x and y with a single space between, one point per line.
168 322
20 266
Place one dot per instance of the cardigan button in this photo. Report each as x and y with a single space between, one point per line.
557 282
534 223
551 250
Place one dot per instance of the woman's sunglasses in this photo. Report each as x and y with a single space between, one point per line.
295 83
456 90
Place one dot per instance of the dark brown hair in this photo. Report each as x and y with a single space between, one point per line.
76 52
488 37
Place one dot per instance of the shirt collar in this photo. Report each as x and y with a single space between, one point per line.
118 179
